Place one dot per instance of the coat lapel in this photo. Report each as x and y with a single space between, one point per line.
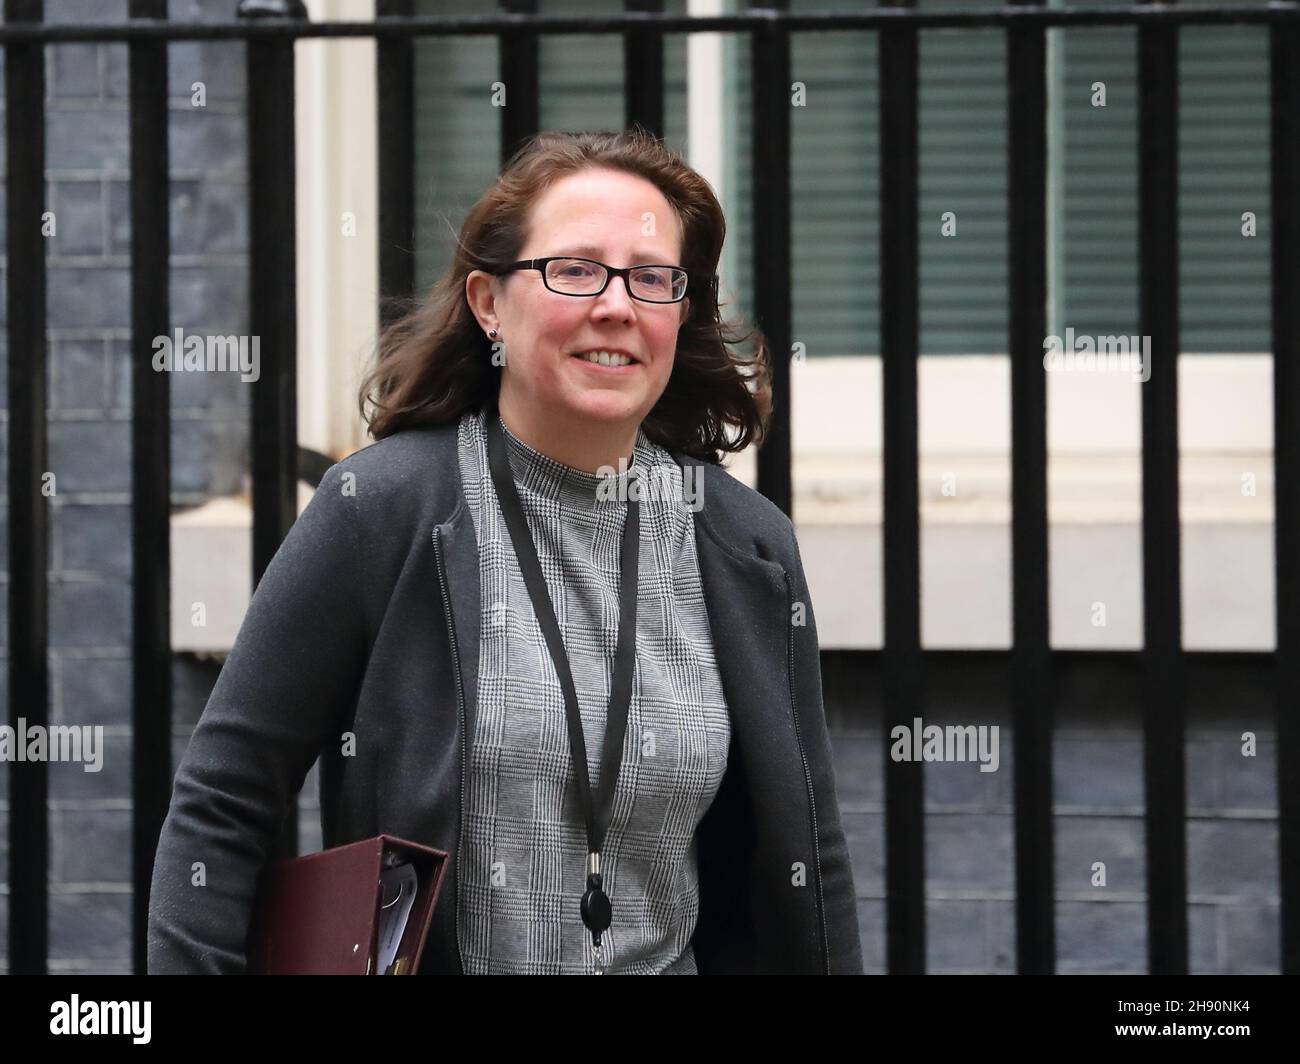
461 544
756 850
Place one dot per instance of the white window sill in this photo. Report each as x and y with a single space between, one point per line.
1095 556
212 568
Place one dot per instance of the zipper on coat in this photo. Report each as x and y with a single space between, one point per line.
812 805
460 701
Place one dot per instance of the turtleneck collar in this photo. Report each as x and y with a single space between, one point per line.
543 475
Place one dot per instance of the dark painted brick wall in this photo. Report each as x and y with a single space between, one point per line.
89 430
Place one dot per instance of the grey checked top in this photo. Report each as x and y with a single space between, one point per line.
524 843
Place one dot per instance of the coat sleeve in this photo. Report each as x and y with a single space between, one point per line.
284 691
839 893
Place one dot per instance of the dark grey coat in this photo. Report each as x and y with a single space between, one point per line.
367 621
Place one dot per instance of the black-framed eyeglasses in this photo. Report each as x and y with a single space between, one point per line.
569 275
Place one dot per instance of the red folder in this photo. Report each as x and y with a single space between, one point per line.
319 914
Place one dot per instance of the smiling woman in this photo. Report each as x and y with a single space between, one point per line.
540 557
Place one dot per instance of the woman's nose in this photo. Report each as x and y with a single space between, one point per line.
616 298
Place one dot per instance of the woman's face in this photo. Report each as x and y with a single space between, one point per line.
616 218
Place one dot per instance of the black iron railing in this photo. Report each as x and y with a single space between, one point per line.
271 27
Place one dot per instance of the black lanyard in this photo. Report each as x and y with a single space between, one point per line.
596 912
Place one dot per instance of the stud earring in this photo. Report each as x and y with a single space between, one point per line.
492 335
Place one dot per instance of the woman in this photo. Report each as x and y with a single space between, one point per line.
536 625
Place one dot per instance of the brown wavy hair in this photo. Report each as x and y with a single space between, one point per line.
433 363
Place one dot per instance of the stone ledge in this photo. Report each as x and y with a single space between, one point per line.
1094 557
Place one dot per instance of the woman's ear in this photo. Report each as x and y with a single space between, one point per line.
480 294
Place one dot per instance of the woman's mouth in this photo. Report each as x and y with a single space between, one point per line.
606 361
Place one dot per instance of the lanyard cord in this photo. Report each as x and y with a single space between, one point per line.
597 814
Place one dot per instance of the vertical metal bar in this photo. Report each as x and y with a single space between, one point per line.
901 659
150 471
643 73
521 116
395 70
1030 651
273 303
29 532
1285 73
770 169
1164 722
